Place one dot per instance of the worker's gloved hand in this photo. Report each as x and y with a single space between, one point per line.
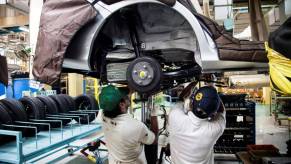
155 110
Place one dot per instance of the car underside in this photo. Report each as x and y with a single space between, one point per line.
148 45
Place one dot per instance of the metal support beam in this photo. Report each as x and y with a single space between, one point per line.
197 6
257 21
206 9
143 111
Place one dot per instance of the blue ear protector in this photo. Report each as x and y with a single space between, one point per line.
199 113
193 93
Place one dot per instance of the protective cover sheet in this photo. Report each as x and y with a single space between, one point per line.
280 40
167 2
3 70
60 20
230 48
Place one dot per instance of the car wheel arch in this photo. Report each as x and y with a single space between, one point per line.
90 50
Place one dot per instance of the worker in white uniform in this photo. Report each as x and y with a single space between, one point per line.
124 135
195 126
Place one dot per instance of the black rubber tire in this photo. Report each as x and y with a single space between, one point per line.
155 83
87 102
50 107
4 138
62 106
4 116
15 109
17 113
61 103
32 108
5 119
49 104
41 107
70 102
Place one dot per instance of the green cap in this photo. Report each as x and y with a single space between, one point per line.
110 97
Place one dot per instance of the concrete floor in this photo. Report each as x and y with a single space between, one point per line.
267 132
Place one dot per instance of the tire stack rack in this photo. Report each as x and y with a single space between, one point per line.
240 128
32 129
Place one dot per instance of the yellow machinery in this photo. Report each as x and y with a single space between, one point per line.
280 71
92 87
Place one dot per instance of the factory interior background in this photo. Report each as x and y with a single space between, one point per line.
56 56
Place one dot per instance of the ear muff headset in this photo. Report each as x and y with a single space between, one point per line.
205 102
197 111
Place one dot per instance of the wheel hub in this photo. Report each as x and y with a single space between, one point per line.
143 73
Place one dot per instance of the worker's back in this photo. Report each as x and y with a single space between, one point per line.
124 137
191 138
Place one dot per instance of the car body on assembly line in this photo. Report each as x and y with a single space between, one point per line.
148 44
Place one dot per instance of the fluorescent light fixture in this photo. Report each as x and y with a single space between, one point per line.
3 2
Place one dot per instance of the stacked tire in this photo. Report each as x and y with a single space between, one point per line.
50 107
87 103
66 104
5 119
34 107
4 116
16 112
12 111
62 106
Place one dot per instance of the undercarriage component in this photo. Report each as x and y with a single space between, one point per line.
116 72
144 75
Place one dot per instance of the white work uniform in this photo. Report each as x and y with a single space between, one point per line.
124 137
191 138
